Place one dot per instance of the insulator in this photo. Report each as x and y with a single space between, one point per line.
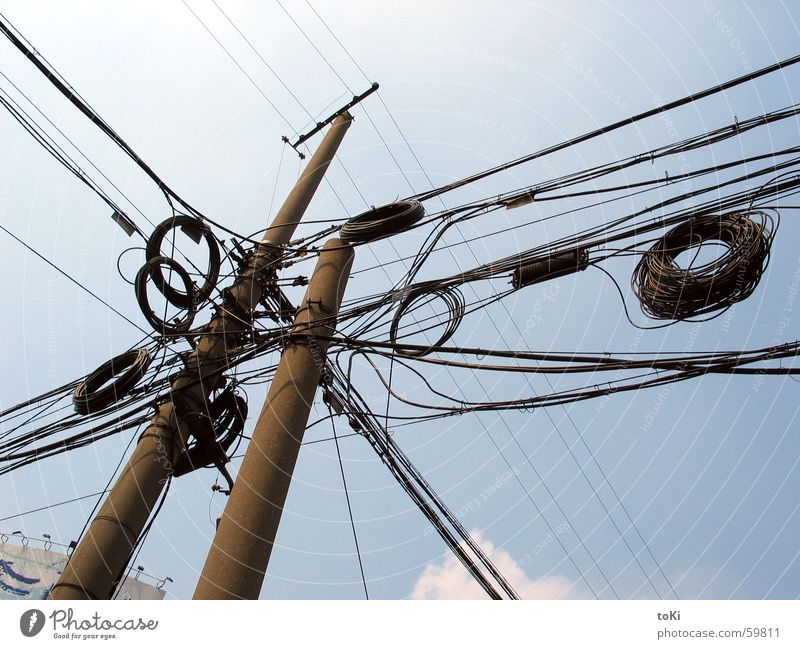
550 267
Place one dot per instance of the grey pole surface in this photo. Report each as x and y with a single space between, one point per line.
99 560
238 558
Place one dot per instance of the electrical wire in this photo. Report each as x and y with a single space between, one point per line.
350 510
668 291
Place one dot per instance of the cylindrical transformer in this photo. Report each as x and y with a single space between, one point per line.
550 266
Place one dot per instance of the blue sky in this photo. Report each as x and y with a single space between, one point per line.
706 469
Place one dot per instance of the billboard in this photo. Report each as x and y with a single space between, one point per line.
30 573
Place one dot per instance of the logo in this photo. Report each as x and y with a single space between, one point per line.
31 622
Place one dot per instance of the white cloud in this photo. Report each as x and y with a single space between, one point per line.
450 580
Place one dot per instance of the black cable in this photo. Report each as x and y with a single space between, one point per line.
34 57
611 127
52 75
138 544
199 230
62 157
414 484
236 63
264 61
350 510
73 280
83 155
453 300
161 325
107 488
51 506
408 476
381 222
327 62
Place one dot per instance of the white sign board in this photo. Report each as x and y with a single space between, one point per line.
30 573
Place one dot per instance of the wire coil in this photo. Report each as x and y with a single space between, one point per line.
667 291
214 433
196 230
162 326
128 368
381 222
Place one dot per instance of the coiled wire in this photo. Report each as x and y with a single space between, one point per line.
381 222
111 381
162 326
669 292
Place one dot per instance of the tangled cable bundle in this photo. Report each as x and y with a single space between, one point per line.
416 298
214 432
668 292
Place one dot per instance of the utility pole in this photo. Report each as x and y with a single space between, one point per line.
99 561
238 558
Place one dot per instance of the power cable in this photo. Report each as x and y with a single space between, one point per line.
236 63
73 280
612 127
350 510
51 506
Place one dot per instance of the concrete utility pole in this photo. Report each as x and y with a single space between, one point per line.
99 561
237 562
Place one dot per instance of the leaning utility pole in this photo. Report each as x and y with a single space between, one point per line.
238 558
99 561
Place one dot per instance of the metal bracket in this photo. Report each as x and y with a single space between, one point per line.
320 125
